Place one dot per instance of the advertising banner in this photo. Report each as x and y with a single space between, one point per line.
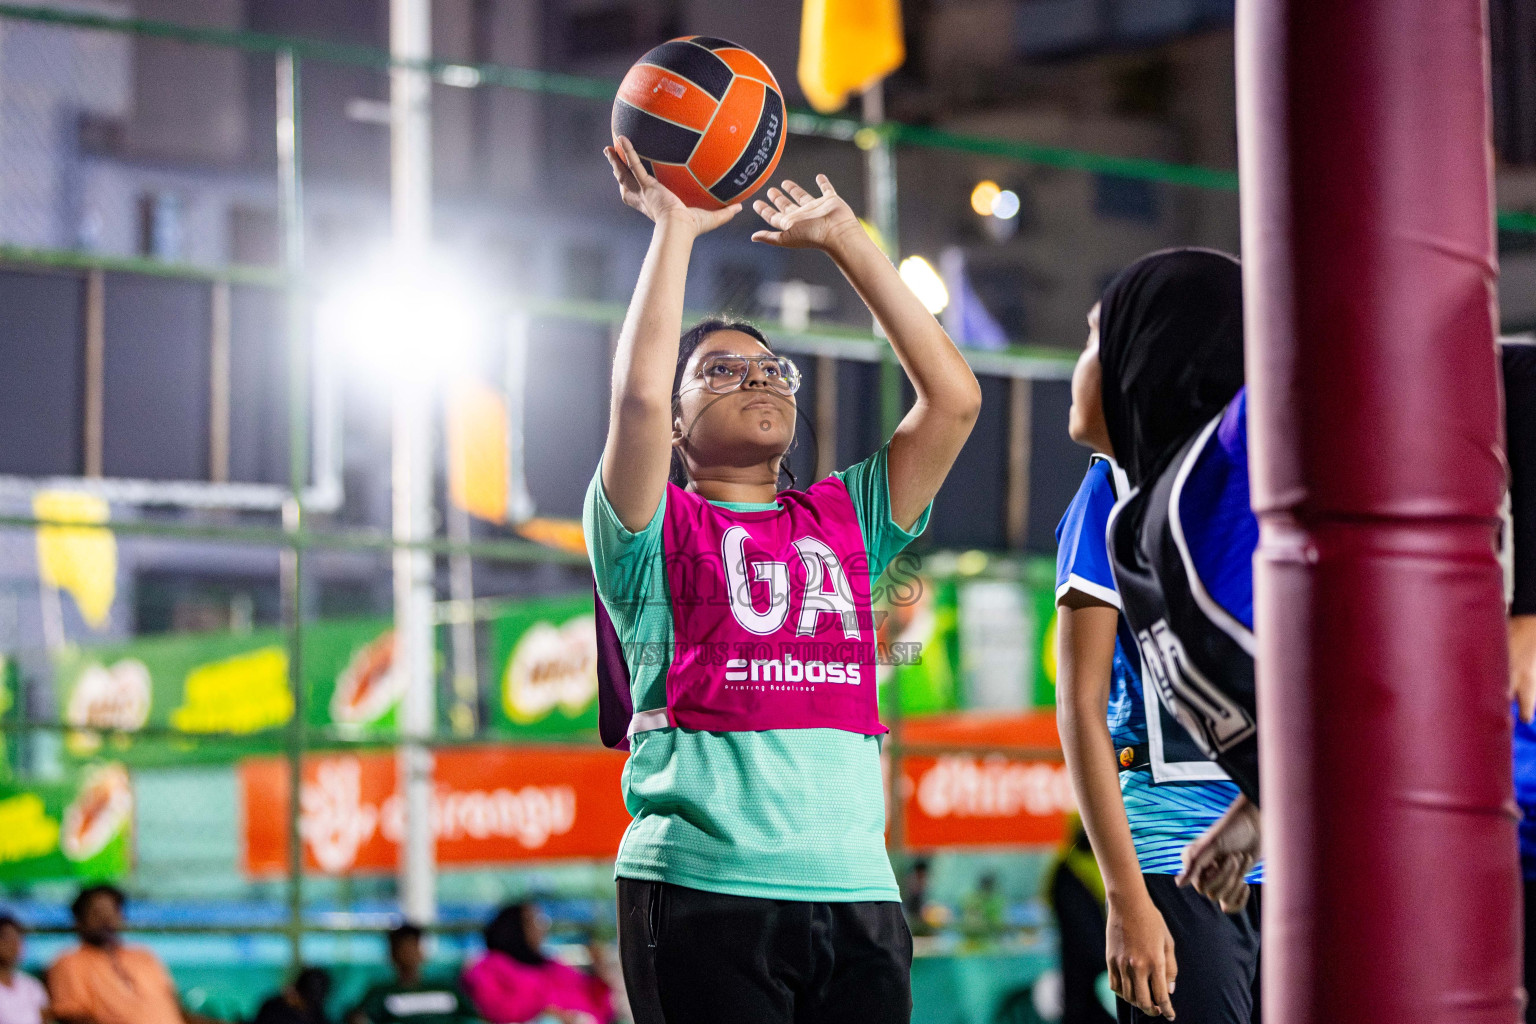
208 683
542 682
998 798
492 806
544 654
225 684
80 828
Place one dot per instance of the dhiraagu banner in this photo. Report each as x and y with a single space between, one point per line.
545 658
80 828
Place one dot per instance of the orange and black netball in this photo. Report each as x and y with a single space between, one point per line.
706 116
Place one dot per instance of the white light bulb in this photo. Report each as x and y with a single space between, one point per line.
1006 205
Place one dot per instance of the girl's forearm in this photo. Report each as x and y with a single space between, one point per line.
1096 784
940 375
647 347
1085 652
638 450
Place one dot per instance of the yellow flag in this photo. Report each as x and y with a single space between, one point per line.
477 450
79 560
846 46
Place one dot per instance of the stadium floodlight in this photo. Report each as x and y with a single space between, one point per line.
925 283
413 321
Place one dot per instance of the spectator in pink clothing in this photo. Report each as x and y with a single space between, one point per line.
515 982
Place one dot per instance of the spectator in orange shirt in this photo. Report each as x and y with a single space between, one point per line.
103 981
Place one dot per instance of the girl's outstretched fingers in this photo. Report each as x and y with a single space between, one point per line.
799 194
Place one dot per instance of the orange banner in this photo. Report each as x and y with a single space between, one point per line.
993 799
492 806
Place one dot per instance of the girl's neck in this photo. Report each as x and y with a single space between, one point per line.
736 491
746 483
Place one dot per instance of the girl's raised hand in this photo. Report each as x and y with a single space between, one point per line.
643 192
803 221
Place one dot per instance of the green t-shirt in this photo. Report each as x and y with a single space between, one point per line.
425 1003
793 814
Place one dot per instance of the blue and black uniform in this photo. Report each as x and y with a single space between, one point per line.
1173 793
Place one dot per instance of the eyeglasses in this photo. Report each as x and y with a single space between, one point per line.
723 373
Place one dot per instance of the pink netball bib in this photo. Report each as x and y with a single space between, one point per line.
771 612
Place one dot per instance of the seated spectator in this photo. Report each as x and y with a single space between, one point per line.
515 982
303 1002
409 997
103 981
23 1000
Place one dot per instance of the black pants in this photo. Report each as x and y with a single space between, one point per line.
693 957
1217 954
1080 922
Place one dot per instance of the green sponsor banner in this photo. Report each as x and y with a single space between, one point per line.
1040 578
232 685
80 828
545 658
986 638
207 683
351 679
10 711
916 630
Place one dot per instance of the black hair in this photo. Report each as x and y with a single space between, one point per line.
403 931
507 933
9 921
90 892
687 345
313 986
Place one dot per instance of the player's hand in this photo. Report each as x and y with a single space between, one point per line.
803 221
1522 663
1217 864
642 192
1138 950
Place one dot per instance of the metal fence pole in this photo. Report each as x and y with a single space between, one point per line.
410 38
880 172
291 201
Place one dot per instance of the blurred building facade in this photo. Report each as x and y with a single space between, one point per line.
145 147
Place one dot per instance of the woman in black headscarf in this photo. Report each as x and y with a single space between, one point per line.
1163 367
1170 351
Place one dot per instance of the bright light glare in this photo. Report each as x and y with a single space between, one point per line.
414 321
925 283
461 76
983 196
1006 205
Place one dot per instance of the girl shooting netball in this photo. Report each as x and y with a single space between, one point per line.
753 882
